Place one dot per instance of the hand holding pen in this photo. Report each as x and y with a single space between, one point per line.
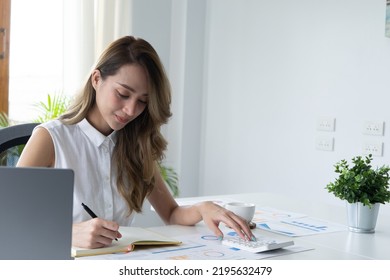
91 213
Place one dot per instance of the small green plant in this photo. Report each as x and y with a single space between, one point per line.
4 121
169 175
361 182
55 106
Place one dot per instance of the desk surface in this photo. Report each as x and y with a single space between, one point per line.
328 246
340 245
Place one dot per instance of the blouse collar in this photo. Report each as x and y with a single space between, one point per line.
94 135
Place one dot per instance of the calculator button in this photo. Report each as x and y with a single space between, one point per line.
261 245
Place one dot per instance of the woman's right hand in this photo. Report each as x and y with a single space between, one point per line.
94 233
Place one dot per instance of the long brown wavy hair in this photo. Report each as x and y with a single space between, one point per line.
140 145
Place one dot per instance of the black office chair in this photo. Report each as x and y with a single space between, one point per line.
12 140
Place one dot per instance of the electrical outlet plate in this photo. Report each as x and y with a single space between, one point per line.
325 143
374 148
373 127
326 124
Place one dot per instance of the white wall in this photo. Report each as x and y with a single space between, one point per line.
252 77
273 68
176 28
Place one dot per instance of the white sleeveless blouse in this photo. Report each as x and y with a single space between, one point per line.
88 152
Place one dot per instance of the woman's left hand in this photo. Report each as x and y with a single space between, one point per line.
212 214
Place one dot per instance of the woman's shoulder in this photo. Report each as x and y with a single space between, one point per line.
51 124
56 123
58 126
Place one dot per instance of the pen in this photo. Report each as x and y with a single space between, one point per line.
91 213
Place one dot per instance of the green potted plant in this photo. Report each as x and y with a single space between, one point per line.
364 188
171 178
4 121
55 106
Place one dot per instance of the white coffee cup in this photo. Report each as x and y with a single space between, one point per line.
242 209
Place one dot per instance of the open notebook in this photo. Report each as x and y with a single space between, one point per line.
131 237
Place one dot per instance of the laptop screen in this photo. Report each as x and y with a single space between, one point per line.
36 207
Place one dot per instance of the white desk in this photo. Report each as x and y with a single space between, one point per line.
341 245
328 246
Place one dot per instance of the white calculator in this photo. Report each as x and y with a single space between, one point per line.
262 243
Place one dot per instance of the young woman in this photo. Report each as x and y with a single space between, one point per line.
110 137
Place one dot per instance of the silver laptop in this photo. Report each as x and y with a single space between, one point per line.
36 206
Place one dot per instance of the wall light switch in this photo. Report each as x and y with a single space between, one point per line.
325 143
373 127
374 148
326 124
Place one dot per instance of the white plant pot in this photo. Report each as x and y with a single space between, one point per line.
362 219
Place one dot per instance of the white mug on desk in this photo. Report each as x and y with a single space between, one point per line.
242 209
